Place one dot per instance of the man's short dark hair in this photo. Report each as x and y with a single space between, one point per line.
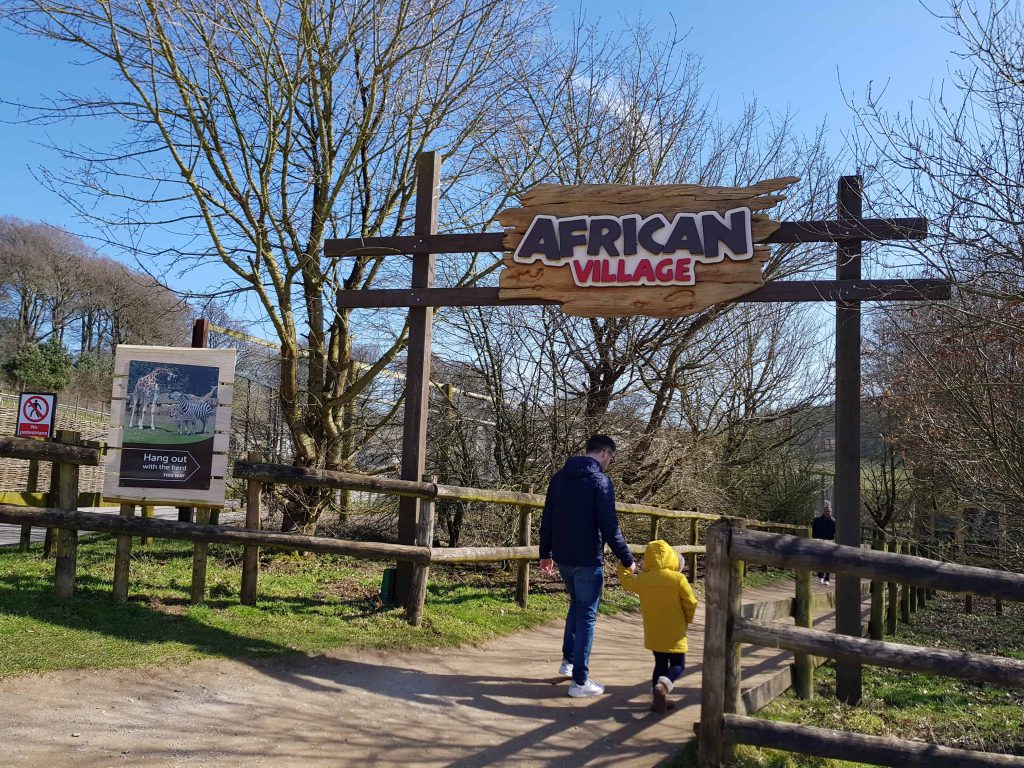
599 443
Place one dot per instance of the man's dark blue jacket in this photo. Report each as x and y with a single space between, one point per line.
824 527
579 516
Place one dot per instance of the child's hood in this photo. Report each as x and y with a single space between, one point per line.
660 556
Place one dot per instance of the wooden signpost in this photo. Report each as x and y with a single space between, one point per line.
662 251
609 250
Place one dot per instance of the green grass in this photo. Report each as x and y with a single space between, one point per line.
305 605
912 706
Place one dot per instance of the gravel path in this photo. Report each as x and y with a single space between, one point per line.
500 703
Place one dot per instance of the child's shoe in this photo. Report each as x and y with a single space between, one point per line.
660 694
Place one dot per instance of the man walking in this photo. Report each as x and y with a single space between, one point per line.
824 527
579 517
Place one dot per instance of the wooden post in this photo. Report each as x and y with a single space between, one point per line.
417 374
251 555
523 566
1000 533
877 594
713 751
691 559
890 618
122 560
200 340
847 434
199 551
149 512
655 526
803 664
734 660
25 539
66 540
51 501
421 571
912 591
919 590
905 591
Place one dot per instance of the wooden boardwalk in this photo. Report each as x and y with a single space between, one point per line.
501 703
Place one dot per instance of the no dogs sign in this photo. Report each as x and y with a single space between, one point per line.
35 414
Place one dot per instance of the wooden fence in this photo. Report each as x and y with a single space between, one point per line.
723 723
65 518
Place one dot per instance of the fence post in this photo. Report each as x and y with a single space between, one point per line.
66 540
33 486
149 512
655 526
911 591
122 560
691 559
904 591
803 665
523 566
734 661
199 552
51 501
921 596
716 697
251 555
421 571
877 593
893 588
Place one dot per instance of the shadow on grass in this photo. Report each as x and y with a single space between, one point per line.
91 610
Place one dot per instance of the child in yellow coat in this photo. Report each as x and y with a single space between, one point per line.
667 604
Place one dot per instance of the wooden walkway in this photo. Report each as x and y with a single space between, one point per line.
501 703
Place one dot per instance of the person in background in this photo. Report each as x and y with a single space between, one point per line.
824 527
667 605
579 517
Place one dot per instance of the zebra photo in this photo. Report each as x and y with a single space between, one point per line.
193 413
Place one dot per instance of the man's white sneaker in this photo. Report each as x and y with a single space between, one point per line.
589 688
565 668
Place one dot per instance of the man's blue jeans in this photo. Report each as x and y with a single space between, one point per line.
583 583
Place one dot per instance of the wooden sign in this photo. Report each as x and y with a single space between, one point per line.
170 425
607 250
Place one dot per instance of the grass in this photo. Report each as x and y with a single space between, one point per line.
912 706
305 605
162 435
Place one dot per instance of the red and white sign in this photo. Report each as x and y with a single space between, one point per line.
35 414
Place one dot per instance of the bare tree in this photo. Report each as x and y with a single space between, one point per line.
953 384
256 130
956 157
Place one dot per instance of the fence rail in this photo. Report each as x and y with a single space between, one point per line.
722 725
66 521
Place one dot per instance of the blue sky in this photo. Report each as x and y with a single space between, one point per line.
797 55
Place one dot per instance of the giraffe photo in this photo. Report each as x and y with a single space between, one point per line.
170 403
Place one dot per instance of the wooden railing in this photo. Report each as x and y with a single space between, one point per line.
65 518
723 724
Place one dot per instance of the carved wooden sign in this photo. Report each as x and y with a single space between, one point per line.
607 250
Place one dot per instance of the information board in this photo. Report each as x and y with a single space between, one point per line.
171 417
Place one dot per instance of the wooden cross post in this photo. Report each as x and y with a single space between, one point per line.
847 415
417 376
200 340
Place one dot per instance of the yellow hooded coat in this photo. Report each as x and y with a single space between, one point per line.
666 600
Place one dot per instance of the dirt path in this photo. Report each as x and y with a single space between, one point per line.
497 704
